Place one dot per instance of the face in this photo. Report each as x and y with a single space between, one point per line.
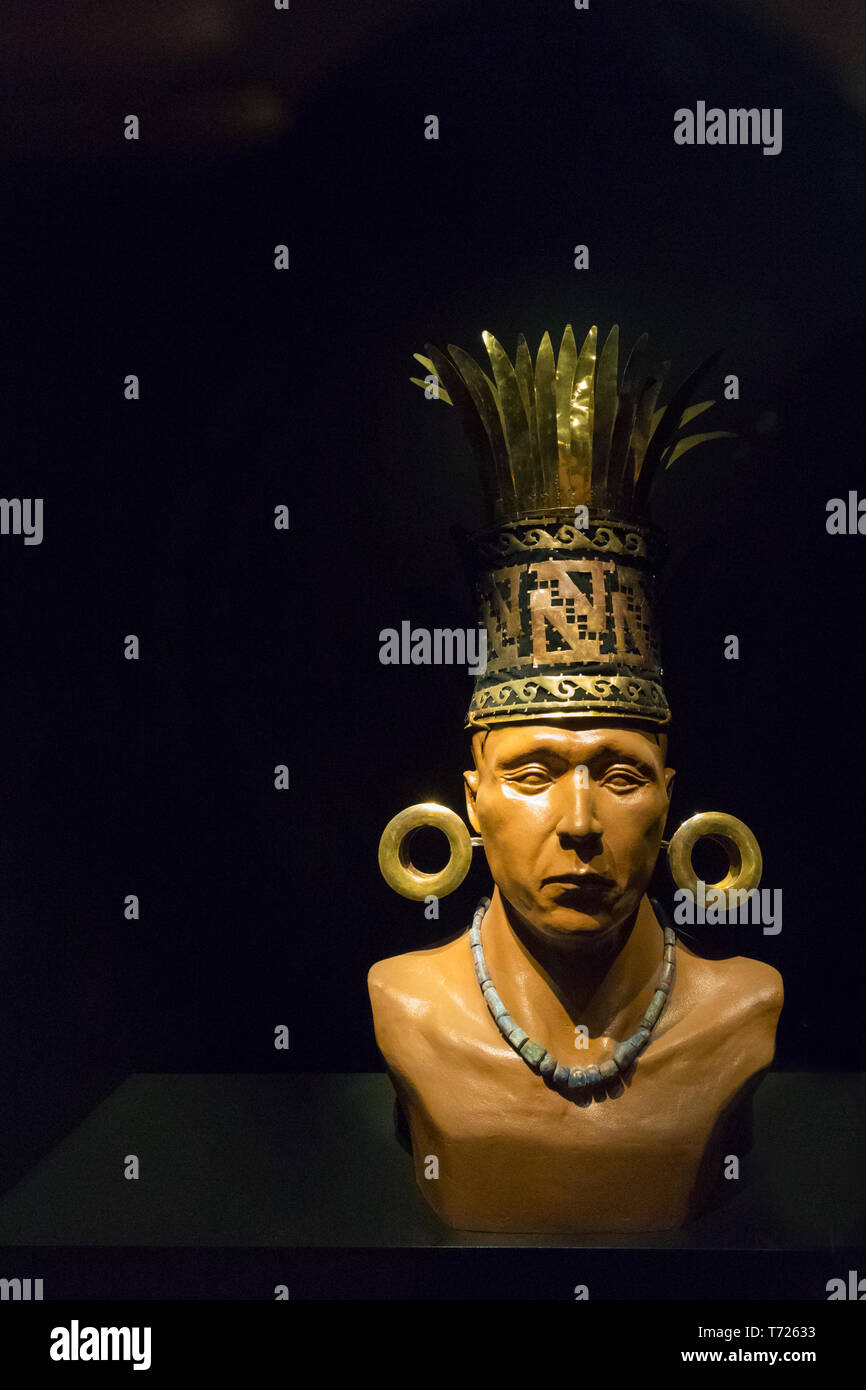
572 821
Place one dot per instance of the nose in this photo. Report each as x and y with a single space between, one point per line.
578 819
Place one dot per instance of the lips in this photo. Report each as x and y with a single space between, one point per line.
585 882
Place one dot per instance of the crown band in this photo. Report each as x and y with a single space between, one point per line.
554 534
566 697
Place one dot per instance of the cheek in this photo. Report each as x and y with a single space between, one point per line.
514 843
510 817
636 826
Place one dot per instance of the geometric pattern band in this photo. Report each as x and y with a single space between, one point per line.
568 612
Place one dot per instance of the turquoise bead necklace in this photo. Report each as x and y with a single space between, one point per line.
536 1057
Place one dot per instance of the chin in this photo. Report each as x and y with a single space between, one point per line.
569 922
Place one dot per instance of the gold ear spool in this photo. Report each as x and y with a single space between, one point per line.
745 864
397 868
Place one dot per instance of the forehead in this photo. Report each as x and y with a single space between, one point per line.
578 745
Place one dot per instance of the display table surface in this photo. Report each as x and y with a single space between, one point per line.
303 1160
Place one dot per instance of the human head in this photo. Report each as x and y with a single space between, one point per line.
552 801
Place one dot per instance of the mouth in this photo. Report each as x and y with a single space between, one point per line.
584 882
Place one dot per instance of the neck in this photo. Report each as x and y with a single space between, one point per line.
604 985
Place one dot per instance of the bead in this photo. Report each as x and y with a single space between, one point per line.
481 974
488 984
505 1024
517 1037
624 1055
495 1004
560 1076
670 954
608 1070
533 1053
548 1065
655 1008
576 1078
593 1076
656 1005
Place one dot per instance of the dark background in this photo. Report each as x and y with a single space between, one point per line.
259 388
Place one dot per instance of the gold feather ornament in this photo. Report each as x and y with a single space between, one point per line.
569 431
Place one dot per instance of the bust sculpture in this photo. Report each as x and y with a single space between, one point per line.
569 1064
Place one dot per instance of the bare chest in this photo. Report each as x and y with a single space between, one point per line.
497 1148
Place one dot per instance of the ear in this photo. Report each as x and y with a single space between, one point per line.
670 774
470 786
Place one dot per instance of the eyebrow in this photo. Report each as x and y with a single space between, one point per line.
542 750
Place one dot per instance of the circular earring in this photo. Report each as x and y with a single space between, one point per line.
744 855
395 862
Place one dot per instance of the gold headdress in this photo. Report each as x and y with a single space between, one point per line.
568 452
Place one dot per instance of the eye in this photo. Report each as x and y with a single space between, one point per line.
622 781
531 777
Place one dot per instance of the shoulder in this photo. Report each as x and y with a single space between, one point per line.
410 976
737 996
747 983
407 993
399 983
